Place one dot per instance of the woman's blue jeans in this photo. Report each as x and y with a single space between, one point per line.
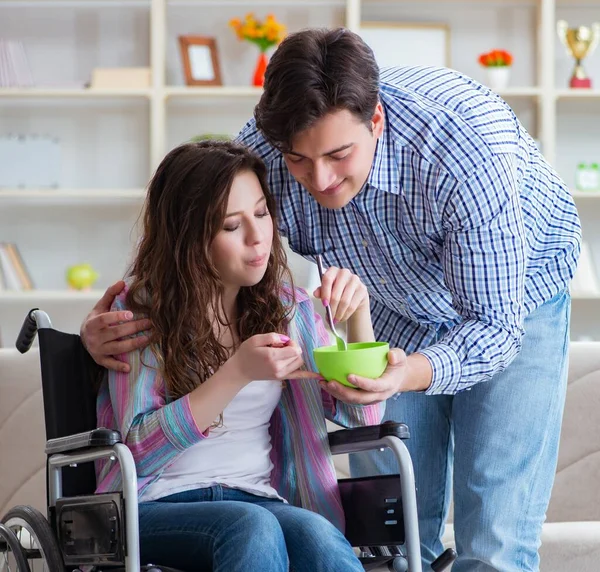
219 529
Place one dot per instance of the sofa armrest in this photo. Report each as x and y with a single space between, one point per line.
565 546
570 545
101 437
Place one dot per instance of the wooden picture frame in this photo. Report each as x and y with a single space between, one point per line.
200 60
397 44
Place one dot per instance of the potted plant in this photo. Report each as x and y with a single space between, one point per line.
497 64
210 137
264 34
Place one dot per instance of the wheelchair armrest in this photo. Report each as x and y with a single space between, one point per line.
370 433
101 437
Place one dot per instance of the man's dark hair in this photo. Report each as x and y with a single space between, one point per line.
312 73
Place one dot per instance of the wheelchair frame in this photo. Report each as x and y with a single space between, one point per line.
127 465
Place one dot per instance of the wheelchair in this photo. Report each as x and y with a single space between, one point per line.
100 532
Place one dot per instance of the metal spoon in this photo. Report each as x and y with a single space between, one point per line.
341 342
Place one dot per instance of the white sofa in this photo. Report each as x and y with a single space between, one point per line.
571 537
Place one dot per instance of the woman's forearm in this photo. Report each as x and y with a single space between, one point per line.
210 398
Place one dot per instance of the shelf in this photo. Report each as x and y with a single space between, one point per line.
145 123
50 295
254 3
520 92
577 93
43 93
255 92
72 3
589 297
94 295
92 196
585 194
214 91
499 2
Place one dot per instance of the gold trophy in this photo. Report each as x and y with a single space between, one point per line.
580 42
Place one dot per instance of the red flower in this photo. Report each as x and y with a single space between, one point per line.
496 58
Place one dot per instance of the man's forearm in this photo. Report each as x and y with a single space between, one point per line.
419 373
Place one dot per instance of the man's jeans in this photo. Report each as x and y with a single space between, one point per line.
501 439
219 529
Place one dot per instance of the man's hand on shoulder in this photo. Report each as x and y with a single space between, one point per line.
102 331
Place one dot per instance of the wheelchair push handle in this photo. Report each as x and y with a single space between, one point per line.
34 320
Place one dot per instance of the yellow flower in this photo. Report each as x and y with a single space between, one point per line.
265 33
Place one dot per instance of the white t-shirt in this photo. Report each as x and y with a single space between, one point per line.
235 454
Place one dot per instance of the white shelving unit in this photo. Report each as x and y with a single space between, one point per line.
112 140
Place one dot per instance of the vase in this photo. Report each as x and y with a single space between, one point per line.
497 77
259 71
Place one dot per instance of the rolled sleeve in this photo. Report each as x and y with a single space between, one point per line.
446 366
178 424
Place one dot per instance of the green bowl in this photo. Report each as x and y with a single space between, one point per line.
366 359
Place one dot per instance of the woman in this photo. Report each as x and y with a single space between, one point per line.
234 468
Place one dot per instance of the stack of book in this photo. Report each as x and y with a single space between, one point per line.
14 66
13 273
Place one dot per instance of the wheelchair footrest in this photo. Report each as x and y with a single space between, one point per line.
91 529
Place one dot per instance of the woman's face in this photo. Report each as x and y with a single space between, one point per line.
241 249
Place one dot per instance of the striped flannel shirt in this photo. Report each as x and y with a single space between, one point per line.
461 229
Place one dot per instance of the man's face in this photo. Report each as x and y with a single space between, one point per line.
333 158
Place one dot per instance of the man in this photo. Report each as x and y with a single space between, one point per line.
425 184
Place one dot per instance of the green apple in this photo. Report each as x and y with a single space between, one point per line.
81 276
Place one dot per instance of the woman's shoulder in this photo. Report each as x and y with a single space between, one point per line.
303 317
294 294
120 301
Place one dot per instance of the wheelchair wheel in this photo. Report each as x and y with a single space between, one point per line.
12 558
36 538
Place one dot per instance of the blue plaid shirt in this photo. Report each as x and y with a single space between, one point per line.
461 229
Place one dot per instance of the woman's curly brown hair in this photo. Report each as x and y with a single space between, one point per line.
173 280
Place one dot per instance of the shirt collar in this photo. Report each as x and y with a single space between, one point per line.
385 171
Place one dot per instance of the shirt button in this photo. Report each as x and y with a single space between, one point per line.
382 280
365 243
